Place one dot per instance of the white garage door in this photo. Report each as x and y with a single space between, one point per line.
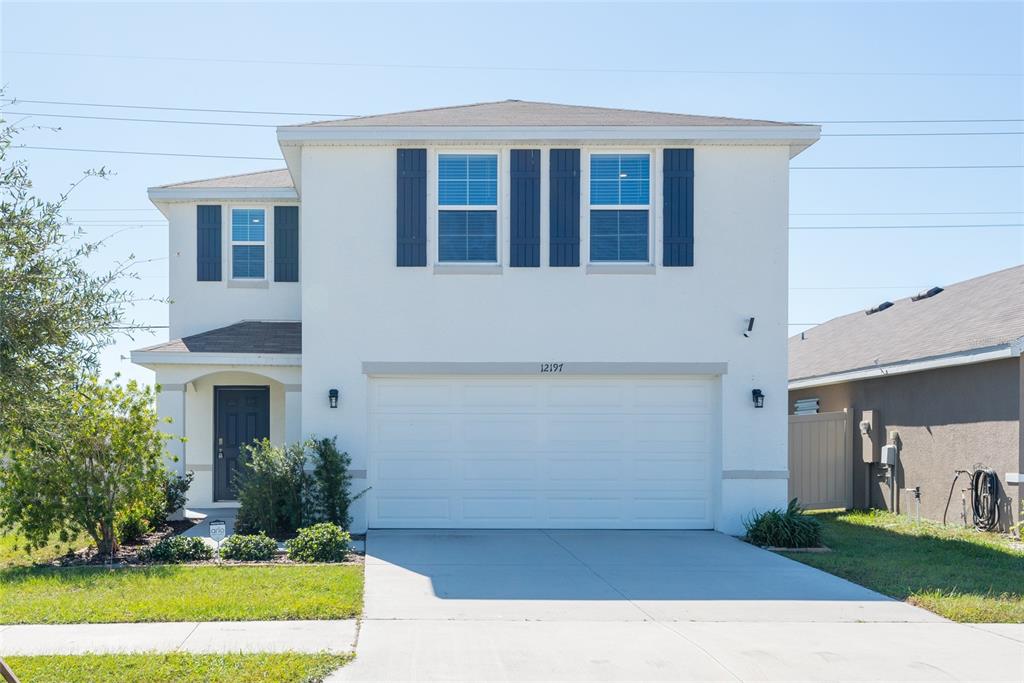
525 452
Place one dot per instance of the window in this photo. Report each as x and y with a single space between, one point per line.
620 202
248 244
467 199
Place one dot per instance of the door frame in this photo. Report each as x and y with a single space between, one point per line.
217 389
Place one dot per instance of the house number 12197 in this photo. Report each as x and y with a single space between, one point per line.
551 367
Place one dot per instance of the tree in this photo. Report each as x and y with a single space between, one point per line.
108 456
54 314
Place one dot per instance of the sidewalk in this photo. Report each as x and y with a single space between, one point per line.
335 636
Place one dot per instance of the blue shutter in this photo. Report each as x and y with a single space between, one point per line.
286 244
565 207
524 236
678 207
208 242
412 207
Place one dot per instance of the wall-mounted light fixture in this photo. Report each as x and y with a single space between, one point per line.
749 327
332 397
758 397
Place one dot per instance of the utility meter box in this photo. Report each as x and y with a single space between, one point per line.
870 435
889 455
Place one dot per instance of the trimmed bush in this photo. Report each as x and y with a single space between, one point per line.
789 528
328 496
132 523
177 549
176 491
270 489
324 542
248 548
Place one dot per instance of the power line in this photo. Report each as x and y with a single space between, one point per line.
151 154
230 124
902 213
901 168
14 100
906 227
226 156
484 67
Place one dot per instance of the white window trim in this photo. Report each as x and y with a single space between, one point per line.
652 193
433 186
267 218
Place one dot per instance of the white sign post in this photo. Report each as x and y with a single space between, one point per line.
217 531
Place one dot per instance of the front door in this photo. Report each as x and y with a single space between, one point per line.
241 415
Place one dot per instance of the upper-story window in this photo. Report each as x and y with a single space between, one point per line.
248 244
620 207
467 199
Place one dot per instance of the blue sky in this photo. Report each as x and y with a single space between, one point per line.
818 61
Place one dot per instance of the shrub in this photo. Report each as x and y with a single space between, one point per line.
328 498
176 491
324 542
248 548
270 489
133 522
784 529
177 549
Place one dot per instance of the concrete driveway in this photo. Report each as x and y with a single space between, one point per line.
641 605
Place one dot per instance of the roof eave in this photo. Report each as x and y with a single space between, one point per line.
154 359
184 194
969 357
798 136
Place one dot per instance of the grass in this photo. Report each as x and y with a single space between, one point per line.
961 574
177 667
13 553
37 595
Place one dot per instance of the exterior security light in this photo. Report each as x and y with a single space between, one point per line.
332 397
758 397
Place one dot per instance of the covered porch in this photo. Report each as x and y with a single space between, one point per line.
221 390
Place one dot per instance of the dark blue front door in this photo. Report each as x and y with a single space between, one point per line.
241 415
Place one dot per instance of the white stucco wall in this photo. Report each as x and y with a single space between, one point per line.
358 306
200 306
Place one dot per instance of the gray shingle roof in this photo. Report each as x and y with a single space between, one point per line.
523 113
249 336
278 177
980 313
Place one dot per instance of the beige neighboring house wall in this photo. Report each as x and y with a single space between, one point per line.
948 419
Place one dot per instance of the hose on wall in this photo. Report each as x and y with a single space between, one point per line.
985 499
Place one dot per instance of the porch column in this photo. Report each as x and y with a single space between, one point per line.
171 403
292 413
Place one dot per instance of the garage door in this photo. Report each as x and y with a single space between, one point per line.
524 452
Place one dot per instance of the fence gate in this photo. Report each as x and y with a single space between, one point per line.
821 460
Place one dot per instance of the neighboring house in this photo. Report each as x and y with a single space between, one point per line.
943 370
513 314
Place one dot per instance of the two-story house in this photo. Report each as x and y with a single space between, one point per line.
511 314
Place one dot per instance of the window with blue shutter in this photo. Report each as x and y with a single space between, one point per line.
564 208
208 240
524 212
677 243
286 244
467 198
620 203
248 244
411 206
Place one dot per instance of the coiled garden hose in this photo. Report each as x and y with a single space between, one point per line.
985 499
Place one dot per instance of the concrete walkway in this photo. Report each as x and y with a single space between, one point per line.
656 606
185 636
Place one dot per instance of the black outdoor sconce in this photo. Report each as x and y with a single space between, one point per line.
332 397
758 397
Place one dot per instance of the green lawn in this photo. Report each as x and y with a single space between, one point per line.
961 574
34 595
177 667
13 553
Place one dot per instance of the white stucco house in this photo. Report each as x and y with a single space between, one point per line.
511 314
